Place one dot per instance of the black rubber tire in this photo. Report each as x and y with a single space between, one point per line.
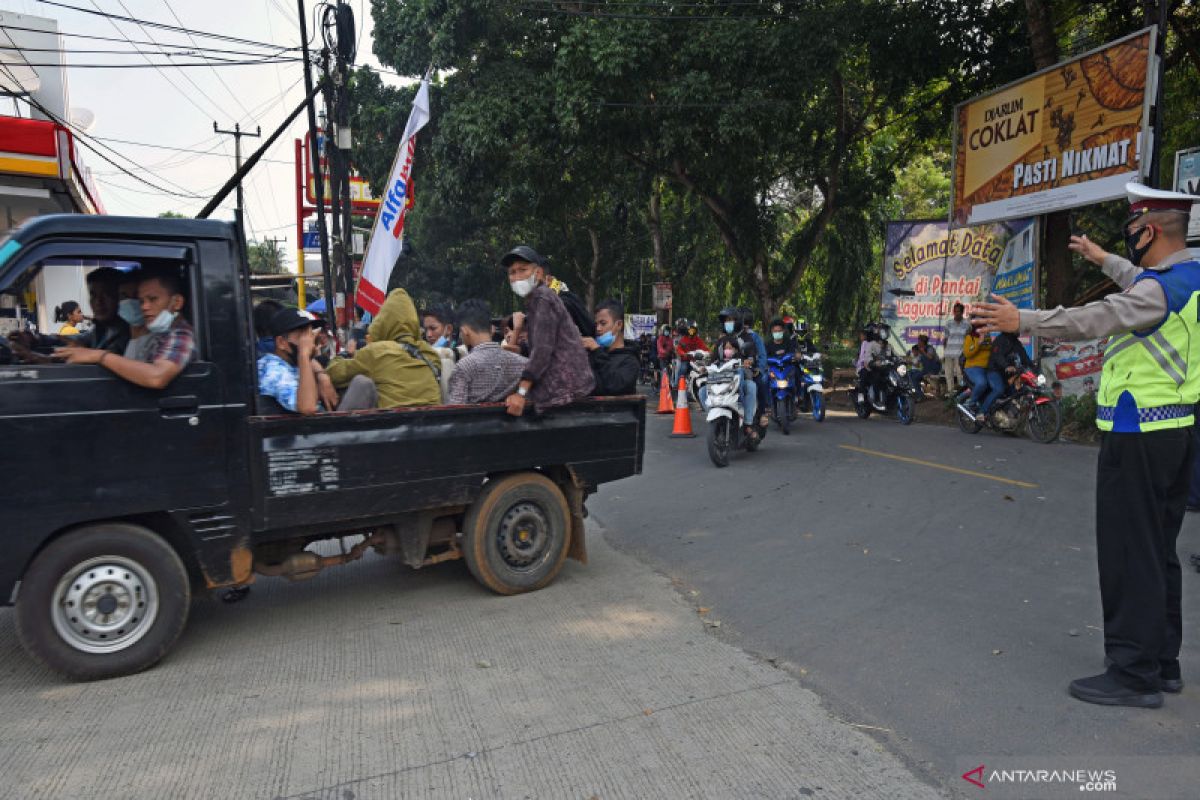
906 409
967 424
482 528
718 441
1048 423
36 629
783 415
863 409
818 406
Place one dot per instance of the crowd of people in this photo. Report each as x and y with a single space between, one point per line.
976 367
550 354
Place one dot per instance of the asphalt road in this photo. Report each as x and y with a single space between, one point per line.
946 599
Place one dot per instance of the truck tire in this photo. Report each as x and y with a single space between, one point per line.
517 533
103 601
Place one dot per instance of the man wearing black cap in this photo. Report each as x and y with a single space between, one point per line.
294 379
1149 385
558 371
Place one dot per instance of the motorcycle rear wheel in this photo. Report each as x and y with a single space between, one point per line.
1045 422
905 410
719 441
862 408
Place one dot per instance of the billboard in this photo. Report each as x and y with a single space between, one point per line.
927 267
1187 180
1068 136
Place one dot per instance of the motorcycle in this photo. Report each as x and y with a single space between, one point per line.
811 386
1027 404
894 392
697 374
781 374
725 416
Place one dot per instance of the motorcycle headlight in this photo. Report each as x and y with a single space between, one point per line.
901 370
1041 380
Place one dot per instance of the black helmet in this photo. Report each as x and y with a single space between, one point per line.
681 325
730 313
747 316
802 327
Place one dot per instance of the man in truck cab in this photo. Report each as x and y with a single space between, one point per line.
110 331
172 342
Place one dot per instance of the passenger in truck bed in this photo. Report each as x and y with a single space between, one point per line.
172 342
405 369
290 379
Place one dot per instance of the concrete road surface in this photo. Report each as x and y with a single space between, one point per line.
936 585
373 681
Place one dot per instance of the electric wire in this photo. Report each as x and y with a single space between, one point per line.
160 25
99 38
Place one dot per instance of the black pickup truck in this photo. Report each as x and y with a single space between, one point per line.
120 503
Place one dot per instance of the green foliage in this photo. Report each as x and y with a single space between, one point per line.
266 258
774 139
1079 417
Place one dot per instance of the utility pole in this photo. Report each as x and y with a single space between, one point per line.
330 292
237 133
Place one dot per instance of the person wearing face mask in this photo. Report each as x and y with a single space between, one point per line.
558 371
734 344
614 365
292 378
688 342
172 342
108 332
1144 407
440 326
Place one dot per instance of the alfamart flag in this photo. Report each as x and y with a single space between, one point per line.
388 233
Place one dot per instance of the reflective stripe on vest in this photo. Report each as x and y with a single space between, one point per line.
1148 381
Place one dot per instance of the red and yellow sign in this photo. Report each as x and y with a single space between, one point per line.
1068 136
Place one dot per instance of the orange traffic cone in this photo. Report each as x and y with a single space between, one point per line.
664 396
683 414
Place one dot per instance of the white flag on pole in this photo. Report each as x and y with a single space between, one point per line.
388 232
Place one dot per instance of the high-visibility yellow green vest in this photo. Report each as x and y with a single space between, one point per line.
1151 378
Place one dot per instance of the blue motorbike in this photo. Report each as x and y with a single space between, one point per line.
811 388
781 380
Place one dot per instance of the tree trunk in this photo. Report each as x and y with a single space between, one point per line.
654 222
593 271
1060 281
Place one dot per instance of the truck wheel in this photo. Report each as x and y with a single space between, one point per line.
517 533
103 601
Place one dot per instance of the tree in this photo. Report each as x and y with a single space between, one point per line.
267 257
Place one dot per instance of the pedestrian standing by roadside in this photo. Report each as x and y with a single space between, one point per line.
1149 385
956 333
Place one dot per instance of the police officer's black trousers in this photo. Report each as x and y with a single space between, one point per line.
1141 493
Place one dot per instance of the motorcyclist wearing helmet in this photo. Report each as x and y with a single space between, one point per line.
760 351
735 344
689 340
664 347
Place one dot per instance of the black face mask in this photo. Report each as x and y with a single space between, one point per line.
1137 253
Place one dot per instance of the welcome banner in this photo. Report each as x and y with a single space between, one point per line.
927 267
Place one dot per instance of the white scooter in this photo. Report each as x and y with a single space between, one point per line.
725 415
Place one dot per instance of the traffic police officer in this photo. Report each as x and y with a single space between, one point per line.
1149 384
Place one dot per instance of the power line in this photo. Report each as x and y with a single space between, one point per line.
97 37
192 39
197 52
169 64
160 25
213 152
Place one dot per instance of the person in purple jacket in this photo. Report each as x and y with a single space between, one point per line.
558 371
